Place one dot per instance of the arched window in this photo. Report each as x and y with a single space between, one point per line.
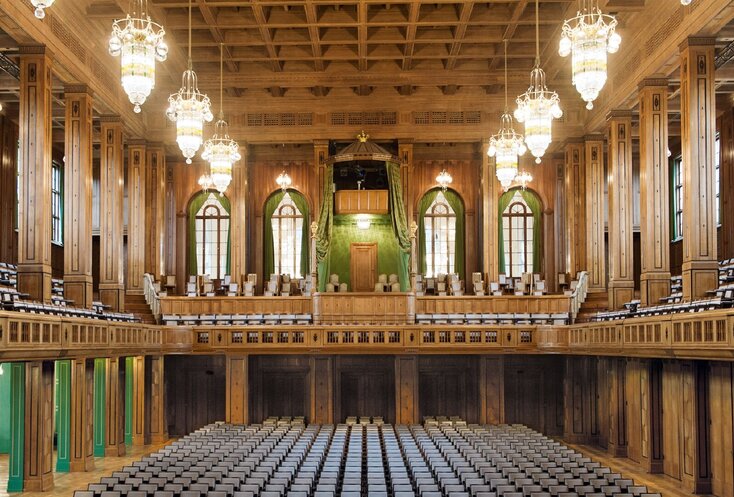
517 230
440 233
212 233
287 227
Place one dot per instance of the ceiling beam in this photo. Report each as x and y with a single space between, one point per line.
362 34
314 35
262 24
459 33
510 29
413 13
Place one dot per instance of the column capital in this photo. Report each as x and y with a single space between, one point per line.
574 141
77 89
594 137
33 50
110 118
616 114
653 82
697 41
139 142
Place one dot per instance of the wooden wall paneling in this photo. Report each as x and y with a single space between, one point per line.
725 125
621 252
238 226
449 386
195 394
155 198
322 389
112 176
170 248
78 196
279 386
39 431
405 152
115 407
559 212
672 422
318 169
365 386
654 191
644 411
182 248
490 216
406 389
575 225
580 393
8 189
617 446
136 218
595 212
533 393
158 422
721 400
491 390
698 129
34 206
602 401
141 400
237 390
82 415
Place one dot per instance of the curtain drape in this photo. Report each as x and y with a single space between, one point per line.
457 205
536 208
268 244
399 223
323 234
194 206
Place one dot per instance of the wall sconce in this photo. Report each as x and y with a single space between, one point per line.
363 222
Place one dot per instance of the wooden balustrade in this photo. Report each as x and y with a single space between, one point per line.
364 308
236 305
513 304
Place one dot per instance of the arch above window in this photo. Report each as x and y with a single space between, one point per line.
441 233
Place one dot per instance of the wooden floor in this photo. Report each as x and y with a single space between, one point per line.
66 483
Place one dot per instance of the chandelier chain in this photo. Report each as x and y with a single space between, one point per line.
506 108
190 63
537 35
221 81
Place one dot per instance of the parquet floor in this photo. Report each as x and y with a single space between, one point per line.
66 483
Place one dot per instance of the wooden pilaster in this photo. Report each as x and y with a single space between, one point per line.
698 129
322 389
621 255
644 413
237 390
238 219
140 396
406 389
78 196
579 399
595 211
405 152
112 177
8 189
155 198
654 192
39 432
320 154
158 421
490 217
34 204
575 225
136 235
82 416
492 390
616 376
115 407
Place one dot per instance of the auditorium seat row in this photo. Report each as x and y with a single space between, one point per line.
286 458
235 319
495 318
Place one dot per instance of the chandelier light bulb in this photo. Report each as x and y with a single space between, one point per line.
221 152
588 38
205 182
444 179
41 6
685 2
505 147
524 178
283 181
139 43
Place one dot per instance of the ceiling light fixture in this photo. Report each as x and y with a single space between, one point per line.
40 6
205 182
588 37
524 178
506 145
220 150
189 109
538 106
444 179
283 181
139 43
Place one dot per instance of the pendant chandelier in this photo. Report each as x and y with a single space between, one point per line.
588 37
205 182
506 145
538 106
283 181
41 6
220 150
444 179
524 178
139 43
189 109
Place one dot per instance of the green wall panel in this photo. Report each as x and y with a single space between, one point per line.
345 232
5 408
17 426
100 368
63 413
129 372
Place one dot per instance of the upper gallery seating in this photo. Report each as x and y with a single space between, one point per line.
721 297
12 300
235 319
286 458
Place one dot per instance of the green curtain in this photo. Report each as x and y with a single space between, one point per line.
194 206
268 245
457 205
536 208
323 235
399 223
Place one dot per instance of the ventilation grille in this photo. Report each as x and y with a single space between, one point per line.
451 118
285 119
364 118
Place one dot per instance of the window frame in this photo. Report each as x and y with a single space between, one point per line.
677 198
717 178
430 221
57 203
279 240
221 247
527 242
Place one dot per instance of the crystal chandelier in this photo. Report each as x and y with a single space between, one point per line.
524 178
220 150
139 43
283 181
41 6
205 182
506 145
538 106
588 37
685 2
444 179
189 108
